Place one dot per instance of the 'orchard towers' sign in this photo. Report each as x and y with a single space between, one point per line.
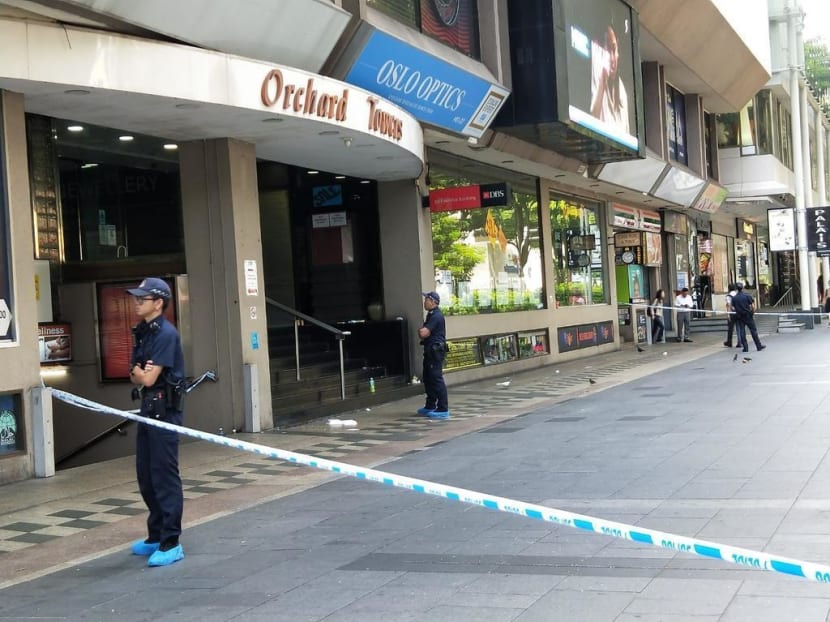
305 99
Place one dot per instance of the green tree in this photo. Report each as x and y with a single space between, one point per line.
817 70
449 252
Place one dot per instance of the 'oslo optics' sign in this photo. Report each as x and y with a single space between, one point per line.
432 90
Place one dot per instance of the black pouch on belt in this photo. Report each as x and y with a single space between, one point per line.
159 407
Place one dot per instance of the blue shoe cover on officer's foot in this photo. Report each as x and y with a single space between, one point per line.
165 558
439 414
425 410
140 547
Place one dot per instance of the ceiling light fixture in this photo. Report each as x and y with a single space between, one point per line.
313 172
340 177
365 181
75 128
171 147
126 138
89 165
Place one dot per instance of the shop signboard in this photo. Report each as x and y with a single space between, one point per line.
431 89
54 343
781 229
818 230
711 199
635 218
469 197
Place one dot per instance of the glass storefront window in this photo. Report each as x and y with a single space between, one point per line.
745 263
763 116
102 194
728 129
454 24
487 260
578 255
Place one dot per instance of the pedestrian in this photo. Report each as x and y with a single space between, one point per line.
433 336
655 312
157 368
730 315
744 307
684 304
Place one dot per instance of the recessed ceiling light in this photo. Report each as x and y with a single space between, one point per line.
126 138
187 106
328 133
313 172
340 177
77 92
619 192
171 147
89 165
272 120
559 175
365 181
75 128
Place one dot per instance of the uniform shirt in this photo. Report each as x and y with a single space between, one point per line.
729 297
159 341
685 303
742 304
437 328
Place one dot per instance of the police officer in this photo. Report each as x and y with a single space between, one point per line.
157 368
744 307
433 336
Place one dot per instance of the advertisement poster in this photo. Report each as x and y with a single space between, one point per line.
781 229
584 336
116 318
8 424
654 249
636 283
601 68
54 343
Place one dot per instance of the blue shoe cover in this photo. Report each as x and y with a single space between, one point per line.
140 547
425 410
439 414
165 558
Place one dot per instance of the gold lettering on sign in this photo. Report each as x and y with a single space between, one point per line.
382 122
303 99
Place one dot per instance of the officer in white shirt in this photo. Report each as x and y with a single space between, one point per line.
684 304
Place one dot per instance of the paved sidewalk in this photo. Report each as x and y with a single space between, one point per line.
88 511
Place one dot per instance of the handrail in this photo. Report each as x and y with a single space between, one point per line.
786 300
339 334
93 441
300 317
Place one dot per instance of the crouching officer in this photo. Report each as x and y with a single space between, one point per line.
157 368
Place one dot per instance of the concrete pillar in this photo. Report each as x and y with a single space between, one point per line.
20 363
227 295
406 251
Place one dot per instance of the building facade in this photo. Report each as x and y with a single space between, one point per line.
482 150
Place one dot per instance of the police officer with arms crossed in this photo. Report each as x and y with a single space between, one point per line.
157 368
433 336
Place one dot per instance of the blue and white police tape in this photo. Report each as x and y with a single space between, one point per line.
715 312
735 555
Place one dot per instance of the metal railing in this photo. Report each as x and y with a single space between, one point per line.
787 300
299 319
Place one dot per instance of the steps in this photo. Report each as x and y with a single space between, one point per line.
318 391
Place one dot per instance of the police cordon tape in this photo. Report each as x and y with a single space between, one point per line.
645 305
740 556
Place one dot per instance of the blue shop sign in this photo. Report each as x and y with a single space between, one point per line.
432 90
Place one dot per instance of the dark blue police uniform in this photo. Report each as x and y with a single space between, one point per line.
742 304
434 354
157 450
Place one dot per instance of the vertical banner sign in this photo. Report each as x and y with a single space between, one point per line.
818 230
781 229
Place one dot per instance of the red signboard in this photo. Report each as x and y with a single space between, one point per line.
468 197
116 318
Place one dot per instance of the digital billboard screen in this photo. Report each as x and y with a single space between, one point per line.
602 69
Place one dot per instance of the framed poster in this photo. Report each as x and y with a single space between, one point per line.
116 318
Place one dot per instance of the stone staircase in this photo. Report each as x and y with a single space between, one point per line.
787 322
317 393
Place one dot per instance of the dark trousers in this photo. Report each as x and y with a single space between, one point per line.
730 327
434 383
744 322
157 471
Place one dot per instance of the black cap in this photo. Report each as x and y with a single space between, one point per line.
432 296
151 286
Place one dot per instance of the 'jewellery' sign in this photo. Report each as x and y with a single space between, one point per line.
433 90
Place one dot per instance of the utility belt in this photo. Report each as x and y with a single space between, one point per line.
156 402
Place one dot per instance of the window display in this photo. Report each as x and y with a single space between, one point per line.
578 256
